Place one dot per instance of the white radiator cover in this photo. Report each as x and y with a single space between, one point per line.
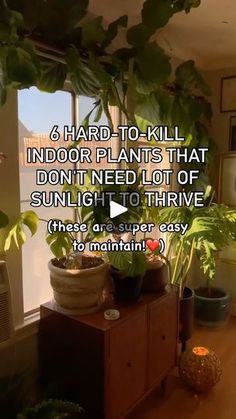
6 320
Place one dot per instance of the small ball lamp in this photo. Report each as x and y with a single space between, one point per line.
200 368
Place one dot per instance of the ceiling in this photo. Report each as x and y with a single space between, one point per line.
207 34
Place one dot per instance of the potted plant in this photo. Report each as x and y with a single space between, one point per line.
127 271
49 409
156 276
77 278
137 78
210 228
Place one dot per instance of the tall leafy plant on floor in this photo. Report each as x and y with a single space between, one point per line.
210 229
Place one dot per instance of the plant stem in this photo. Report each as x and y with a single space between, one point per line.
173 279
184 279
168 264
120 104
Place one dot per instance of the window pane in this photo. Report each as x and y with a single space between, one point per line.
37 113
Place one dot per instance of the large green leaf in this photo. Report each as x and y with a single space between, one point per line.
131 263
102 75
82 77
186 5
156 13
152 68
58 18
138 35
181 116
93 32
17 233
188 77
113 28
53 75
147 111
4 220
207 258
31 14
31 220
10 20
60 243
22 66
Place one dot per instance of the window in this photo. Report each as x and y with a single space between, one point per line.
38 112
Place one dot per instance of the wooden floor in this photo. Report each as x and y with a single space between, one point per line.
180 402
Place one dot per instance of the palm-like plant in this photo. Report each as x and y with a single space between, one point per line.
210 229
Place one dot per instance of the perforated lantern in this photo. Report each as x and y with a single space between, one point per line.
200 368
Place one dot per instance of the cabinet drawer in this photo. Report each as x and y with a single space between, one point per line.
128 358
163 326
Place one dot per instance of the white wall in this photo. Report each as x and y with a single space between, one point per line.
226 272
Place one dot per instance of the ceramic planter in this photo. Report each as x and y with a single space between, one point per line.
211 310
78 291
156 277
126 288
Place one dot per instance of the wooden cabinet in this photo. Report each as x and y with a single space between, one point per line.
127 369
163 330
109 366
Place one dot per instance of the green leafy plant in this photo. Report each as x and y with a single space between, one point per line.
4 220
136 78
210 229
60 243
52 409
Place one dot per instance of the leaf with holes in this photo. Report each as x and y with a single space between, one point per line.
60 243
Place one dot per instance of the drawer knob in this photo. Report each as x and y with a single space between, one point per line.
129 364
163 337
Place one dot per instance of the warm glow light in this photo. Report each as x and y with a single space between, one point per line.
200 350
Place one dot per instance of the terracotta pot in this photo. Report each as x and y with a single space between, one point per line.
78 290
156 277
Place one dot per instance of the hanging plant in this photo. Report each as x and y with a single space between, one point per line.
137 78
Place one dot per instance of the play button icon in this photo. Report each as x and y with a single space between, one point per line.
116 209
